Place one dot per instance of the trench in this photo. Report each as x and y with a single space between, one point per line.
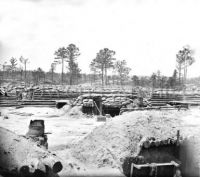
183 154
112 111
97 107
59 105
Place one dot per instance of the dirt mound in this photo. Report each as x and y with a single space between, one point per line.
110 143
19 154
74 112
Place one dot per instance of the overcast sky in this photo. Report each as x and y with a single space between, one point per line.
146 33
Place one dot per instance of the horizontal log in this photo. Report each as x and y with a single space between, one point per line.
22 156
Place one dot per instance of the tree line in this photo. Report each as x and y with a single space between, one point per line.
105 70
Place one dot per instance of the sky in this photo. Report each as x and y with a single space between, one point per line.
145 33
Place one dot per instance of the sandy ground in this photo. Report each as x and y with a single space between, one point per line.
63 129
80 141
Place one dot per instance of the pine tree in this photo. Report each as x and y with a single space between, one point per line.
24 61
61 56
13 62
103 61
122 70
184 59
74 71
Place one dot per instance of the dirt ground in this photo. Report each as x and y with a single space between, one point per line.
87 147
65 130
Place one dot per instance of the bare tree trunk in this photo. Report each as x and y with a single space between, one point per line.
44 78
62 70
12 75
70 79
106 82
52 76
185 75
94 76
25 73
76 78
121 82
21 74
180 79
102 73
179 76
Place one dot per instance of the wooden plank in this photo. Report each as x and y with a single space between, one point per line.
172 163
131 174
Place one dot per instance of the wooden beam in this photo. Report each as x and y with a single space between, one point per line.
172 163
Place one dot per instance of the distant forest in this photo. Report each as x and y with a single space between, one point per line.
103 62
37 77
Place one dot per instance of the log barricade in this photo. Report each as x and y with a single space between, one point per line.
150 108
20 156
46 97
163 99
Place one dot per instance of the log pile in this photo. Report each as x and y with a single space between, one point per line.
152 142
162 99
51 94
20 156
